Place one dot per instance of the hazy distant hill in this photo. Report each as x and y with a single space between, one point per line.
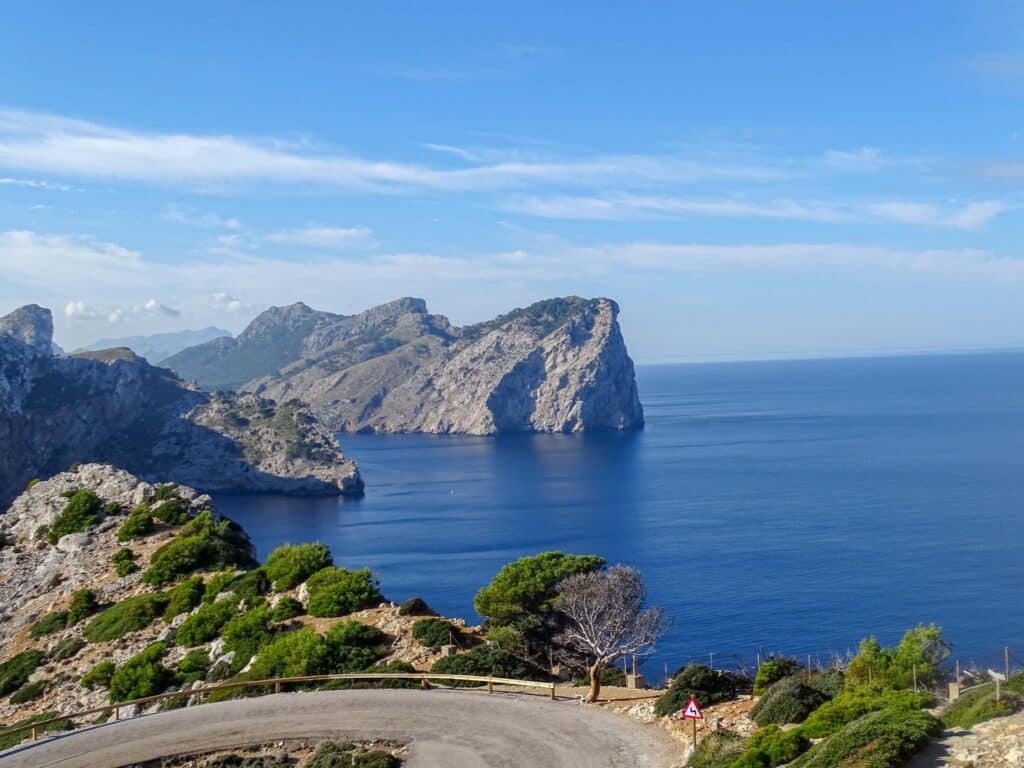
159 346
559 365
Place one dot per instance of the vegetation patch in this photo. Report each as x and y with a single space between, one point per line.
82 510
433 633
980 704
194 666
50 623
789 700
487 662
29 692
246 633
915 660
142 675
184 597
717 750
772 670
173 511
708 686
338 592
6 742
392 667
138 524
883 739
130 615
202 544
205 624
415 606
853 704
124 562
291 564
99 676
286 608
67 648
15 672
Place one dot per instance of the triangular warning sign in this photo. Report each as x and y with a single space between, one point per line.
692 710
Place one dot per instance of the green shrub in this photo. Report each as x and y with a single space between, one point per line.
204 544
354 646
130 615
718 749
286 608
433 633
218 584
29 692
184 597
142 675
342 755
250 584
99 676
291 564
124 562
138 524
829 682
81 511
172 511
205 624
415 606
6 742
392 667
852 704
977 705
67 648
708 686
772 746
50 623
32 483
488 662
293 654
882 739
507 637
15 672
83 605
917 657
789 700
194 666
609 676
772 670
338 592
246 633
165 492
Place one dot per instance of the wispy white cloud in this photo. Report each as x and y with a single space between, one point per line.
968 216
203 220
323 237
225 302
860 160
34 184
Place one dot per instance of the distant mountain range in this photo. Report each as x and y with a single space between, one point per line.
159 346
559 365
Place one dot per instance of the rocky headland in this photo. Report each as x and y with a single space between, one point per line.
559 365
112 406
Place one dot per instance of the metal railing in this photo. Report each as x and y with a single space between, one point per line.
277 683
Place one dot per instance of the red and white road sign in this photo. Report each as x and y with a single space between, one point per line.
692 710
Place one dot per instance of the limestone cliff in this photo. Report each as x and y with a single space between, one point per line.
560 365
114 407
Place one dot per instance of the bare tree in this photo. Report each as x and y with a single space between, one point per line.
606 620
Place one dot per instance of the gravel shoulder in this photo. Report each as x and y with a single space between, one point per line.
457 729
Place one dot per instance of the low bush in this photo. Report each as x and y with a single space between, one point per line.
772 746
294 654
488 662
718 749
978 705
883 739
142 675
138 524
218 583
609 676
286 608
415 606
250 584
202 544
338 592
173 511
336 755
130 615
6 742
852 704
15 672
507 637
772 670
354 646
124 562
83 605
165 491
184 597
32 483
433 633
50 623
789 700
194 666
828 682
205 624
67 648
291 564
81 511
29 692
99 676
246 633
708 686
392 667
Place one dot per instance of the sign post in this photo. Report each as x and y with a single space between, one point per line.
692 712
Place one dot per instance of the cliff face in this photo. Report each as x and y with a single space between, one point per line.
112 406
557 366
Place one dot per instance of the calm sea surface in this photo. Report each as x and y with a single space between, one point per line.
782 506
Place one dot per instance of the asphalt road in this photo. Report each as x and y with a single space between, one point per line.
445 729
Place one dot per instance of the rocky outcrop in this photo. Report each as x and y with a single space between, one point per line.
31 325
111 406
560 365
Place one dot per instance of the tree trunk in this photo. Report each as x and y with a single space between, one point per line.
595 681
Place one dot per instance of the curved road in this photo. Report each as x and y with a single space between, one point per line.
454 729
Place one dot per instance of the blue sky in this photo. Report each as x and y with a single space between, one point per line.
747 180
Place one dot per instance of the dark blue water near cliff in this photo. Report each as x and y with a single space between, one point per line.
791 506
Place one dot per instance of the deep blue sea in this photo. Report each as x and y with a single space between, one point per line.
774 506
